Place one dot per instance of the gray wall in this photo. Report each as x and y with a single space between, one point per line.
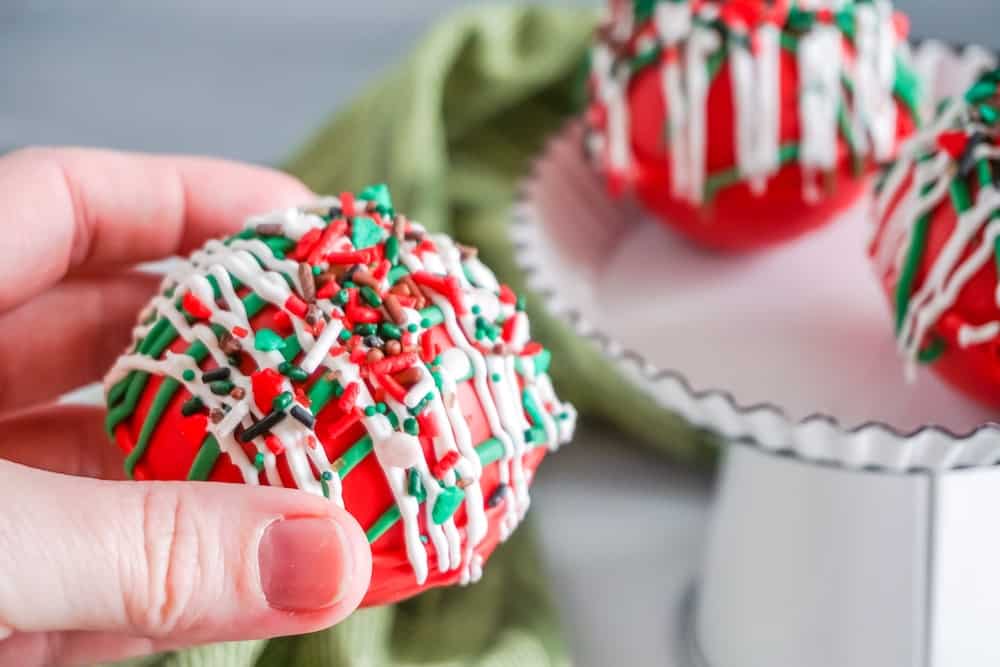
241 78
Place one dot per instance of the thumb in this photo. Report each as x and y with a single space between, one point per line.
195 562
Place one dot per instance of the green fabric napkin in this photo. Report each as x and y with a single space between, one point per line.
452 131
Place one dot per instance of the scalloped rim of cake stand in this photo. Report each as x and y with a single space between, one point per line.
819 438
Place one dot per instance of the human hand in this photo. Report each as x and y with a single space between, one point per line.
92 569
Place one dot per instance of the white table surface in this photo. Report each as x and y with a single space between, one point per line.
249 79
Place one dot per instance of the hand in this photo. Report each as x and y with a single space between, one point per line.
92 569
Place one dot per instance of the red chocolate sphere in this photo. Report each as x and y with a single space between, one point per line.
935 247
736 122
342 350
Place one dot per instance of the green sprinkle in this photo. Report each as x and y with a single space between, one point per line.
188 375
344 335
317 270
297 374
429 396
436 361
381 408
411 426
324 481
495 377
389 330
370 411
415 486
476 309
366 329
438 380
342 297
191 406
222 387
988 114
365 232
447 503
424 539
393 419
412 328
281 401
371 296
542 361
392 250
425 323
378 193
267 341
397 272
981 91
348 284
258 461
520 304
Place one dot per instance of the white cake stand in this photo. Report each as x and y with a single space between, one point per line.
854 518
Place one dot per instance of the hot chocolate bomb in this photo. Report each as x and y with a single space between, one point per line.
342 350
744 123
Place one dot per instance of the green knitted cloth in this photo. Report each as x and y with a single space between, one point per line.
452 131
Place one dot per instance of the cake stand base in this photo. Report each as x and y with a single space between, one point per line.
827 566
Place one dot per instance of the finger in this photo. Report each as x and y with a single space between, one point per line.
68 336
192 562
48 649
68 439
67 209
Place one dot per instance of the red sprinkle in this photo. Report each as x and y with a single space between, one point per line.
427 352
507 332
274 444
305 245
311 441
296 306
953 143
352 257
301 396
358 313
428 426
393 388
382 270
531 348
282 322
346 401
445 463
392 365
327 290
240 332
358 355
347 203
195 307
507 295
266 384
331 234
447 286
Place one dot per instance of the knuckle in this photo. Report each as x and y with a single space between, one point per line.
162 600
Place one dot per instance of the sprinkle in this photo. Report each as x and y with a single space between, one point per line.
393 347
191 406
476 309
355 257
394 309
324 481
188 375
258 461
392 249
306 244
308 280
262 426
221 388
303 416
344 335
194 306
429 427
370 411
270 229
409 376
411 426
371 296
389 330
228 343
275 445
282 401
425 323
415 486
216 415
220 373
374 355
240 332
365 232
373 341
346 401
393 365
447 503
497 496
495 377
239 393
295 306
267 341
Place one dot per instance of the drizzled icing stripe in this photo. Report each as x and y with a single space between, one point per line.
938 168
688 40
360 289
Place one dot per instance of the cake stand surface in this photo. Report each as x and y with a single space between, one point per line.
853 518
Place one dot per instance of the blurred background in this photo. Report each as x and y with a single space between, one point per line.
246 79
250 80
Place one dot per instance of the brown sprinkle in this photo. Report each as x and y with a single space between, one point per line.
269 229
308 281
229 344
239 393
374 356
216 415
393 347
363 277
313 314
408 377
394 309
398 226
